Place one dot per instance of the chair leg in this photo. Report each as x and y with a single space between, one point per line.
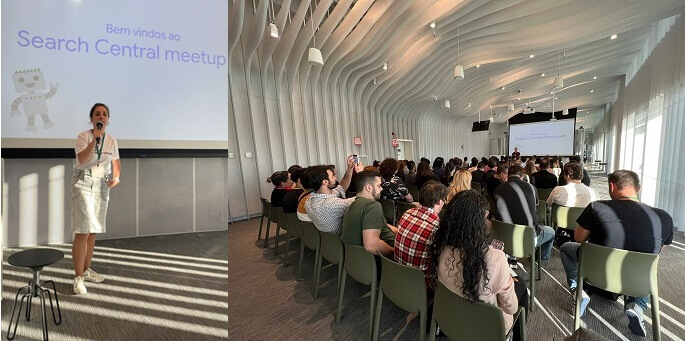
341 291
538 256
28 307
261 221
434 327
422 325
299 263
266 236
278 235
11 334
374 292
337 290
376 316
656 319
531 275
579 295
317 270
44 315
287 248
59 312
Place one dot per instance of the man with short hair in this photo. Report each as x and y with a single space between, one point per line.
516 204
364 223
327 205
416 229
586 176
499 177
574 193
543 179
478 175
621 223
291 199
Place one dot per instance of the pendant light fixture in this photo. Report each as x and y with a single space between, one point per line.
559 80
272 26
385 66
446 105
315 57
458 70
511 107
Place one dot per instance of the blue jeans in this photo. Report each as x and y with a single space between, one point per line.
569 258
545 239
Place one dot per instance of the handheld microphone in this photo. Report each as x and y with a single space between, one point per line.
99 127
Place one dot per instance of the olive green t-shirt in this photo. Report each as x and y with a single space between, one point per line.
365 214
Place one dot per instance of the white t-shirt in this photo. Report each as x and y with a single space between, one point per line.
110 151
572 195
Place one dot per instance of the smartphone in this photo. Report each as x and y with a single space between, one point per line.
497 244
356 159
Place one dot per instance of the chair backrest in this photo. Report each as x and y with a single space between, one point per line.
401 208
565 217
294 225
310 235
404 285
265 206
388 210
273 213
460 319
476 186
543 193
623 272
282 222
519 240
360 264
541 209
414 191
491 201
331 247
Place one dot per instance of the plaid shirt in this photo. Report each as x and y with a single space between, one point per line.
415 232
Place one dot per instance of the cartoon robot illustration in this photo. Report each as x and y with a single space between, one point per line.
28 82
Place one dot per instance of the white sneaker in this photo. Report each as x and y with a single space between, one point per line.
79 286
93 276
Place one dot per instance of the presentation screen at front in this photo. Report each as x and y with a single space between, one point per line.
160 66
543 138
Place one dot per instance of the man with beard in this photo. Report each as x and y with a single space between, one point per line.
364 224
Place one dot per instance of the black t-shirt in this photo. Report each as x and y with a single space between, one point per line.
491 183
543 179
277 197
627 225
478 176
511 208
291 199
421 180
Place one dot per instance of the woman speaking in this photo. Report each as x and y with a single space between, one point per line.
96 170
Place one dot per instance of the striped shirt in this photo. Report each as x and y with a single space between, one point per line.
327 210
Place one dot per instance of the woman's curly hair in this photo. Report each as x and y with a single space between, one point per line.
388 168
462 229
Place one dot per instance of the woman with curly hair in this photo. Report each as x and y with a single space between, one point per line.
393 187
467 265
461 182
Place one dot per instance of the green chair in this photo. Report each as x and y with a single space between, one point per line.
565 217
543 193
265 213
388 210
332 250
519 241
414 191
401 208
541 209
404 286
294 231
493 205
310 239
622 272
477 186
361 266
282 224
273 218
460 319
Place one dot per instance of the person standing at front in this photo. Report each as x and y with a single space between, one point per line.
96 170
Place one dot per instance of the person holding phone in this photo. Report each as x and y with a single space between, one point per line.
96 171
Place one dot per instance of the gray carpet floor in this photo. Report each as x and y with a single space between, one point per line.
267 303
156 288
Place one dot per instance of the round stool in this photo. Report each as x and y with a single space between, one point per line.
35 260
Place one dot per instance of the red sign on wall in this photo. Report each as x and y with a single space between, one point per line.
357 141
394 143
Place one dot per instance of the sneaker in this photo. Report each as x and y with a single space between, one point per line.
93 276
635 322
79 286
584 301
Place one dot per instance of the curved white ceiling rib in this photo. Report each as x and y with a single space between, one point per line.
357 37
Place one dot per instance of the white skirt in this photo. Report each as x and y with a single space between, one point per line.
89 198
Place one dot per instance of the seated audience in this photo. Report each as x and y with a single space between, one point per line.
449 173
621 223
586 175
438 166
327 205
410 179
416 228
478 175
554 167
424 174
402 170
574 193
282 182
393 187
292 198
302 200
528 170
364 223
516 204
470 268
543 178
461 182
498 177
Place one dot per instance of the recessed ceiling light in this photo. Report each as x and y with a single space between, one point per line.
433 24
592 90
502 87
478 65
532 56
595 77
613 36
518 99
469 105
542 75
556 97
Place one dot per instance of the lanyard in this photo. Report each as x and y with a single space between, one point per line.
99 150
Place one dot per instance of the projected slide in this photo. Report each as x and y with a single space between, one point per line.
160 66
543 138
